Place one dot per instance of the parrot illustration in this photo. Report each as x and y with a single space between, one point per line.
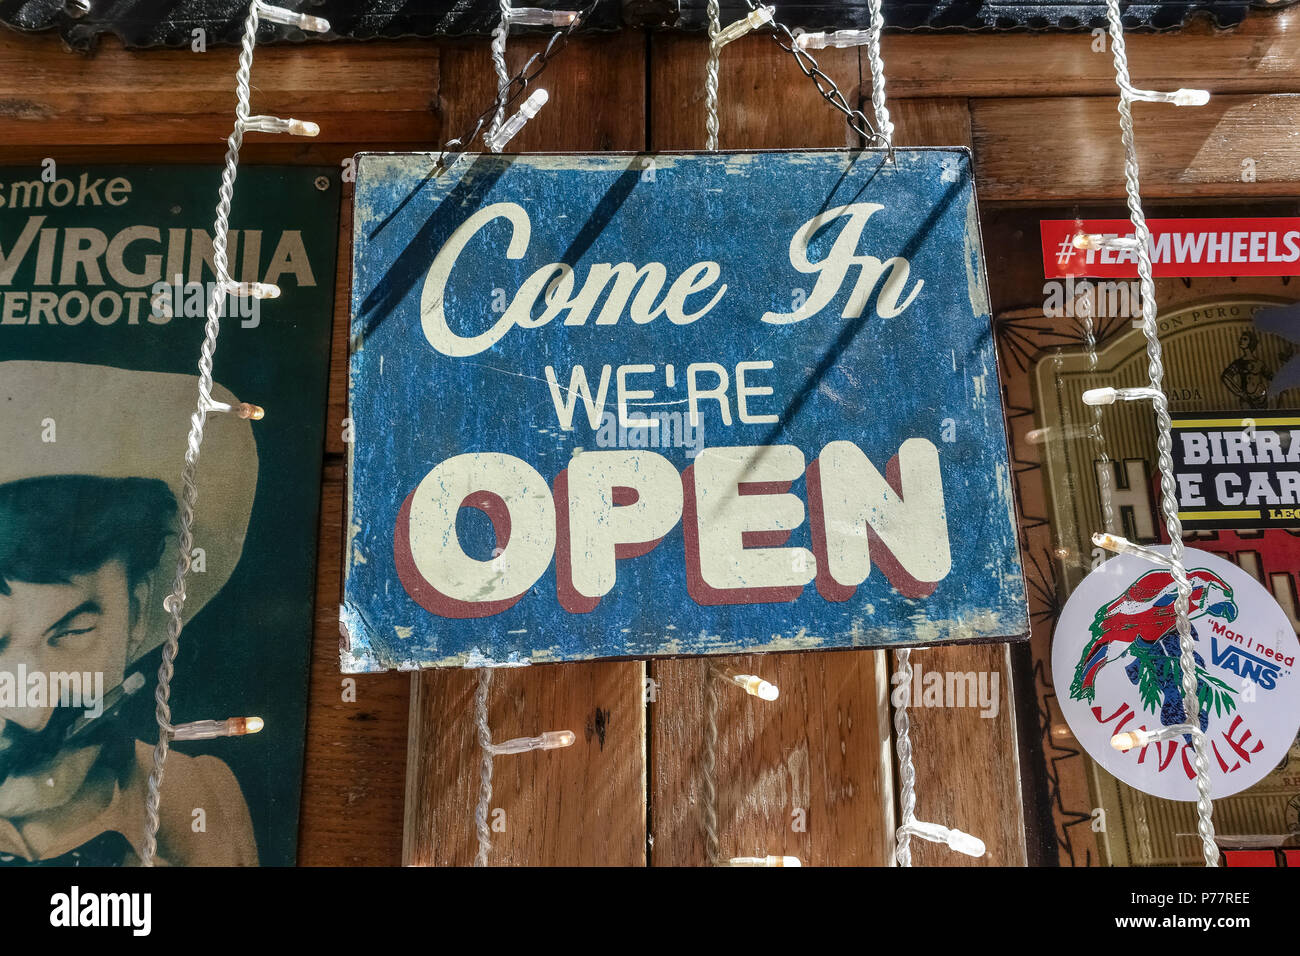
1141 624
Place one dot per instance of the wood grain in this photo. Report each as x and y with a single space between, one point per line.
807 775
585 804
930 122
1069 148
1260 56
174 96
967 761
1040 112
356 743
582 805
356 749
765 102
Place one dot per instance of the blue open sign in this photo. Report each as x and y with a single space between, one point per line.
624 406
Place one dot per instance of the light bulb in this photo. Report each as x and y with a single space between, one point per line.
549 740
210 729
291 18
527 110
276 124
536 17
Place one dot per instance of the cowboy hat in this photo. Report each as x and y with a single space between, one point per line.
118 423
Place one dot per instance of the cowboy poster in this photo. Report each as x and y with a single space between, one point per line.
104 278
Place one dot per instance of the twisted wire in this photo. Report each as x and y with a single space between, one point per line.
499 35
709 765
877 64
711 78
485 766
906 769
175 603
1095 430
1164 440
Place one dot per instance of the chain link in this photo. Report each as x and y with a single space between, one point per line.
830 91
512 90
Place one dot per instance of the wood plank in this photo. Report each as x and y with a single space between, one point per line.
765 101
335 126
1182 152
352 804
930 122
597 90
39 77
40 81
963 743
818 748
336 411
356 750
1260 56
585 804
967 763
807 775
52 98
580 806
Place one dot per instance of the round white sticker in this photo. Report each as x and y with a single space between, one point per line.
1115 663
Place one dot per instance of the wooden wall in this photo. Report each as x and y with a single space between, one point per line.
1039 112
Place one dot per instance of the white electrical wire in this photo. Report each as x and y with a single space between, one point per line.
884 127
711 78
485 765
1164 440
709 765
499 35
906 770
224 286
175 603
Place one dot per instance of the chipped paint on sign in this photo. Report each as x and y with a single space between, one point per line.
626 406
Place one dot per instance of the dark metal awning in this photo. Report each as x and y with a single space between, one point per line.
170 23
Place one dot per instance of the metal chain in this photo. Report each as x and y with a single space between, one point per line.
1164 440
855 118
514 89
175 603
485 766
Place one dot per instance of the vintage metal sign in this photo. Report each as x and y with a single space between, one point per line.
616 406
105 274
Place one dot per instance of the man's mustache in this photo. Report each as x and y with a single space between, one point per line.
23 750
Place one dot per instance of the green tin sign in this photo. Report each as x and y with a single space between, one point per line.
104 274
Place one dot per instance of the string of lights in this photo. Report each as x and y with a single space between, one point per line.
1139 244
175 602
